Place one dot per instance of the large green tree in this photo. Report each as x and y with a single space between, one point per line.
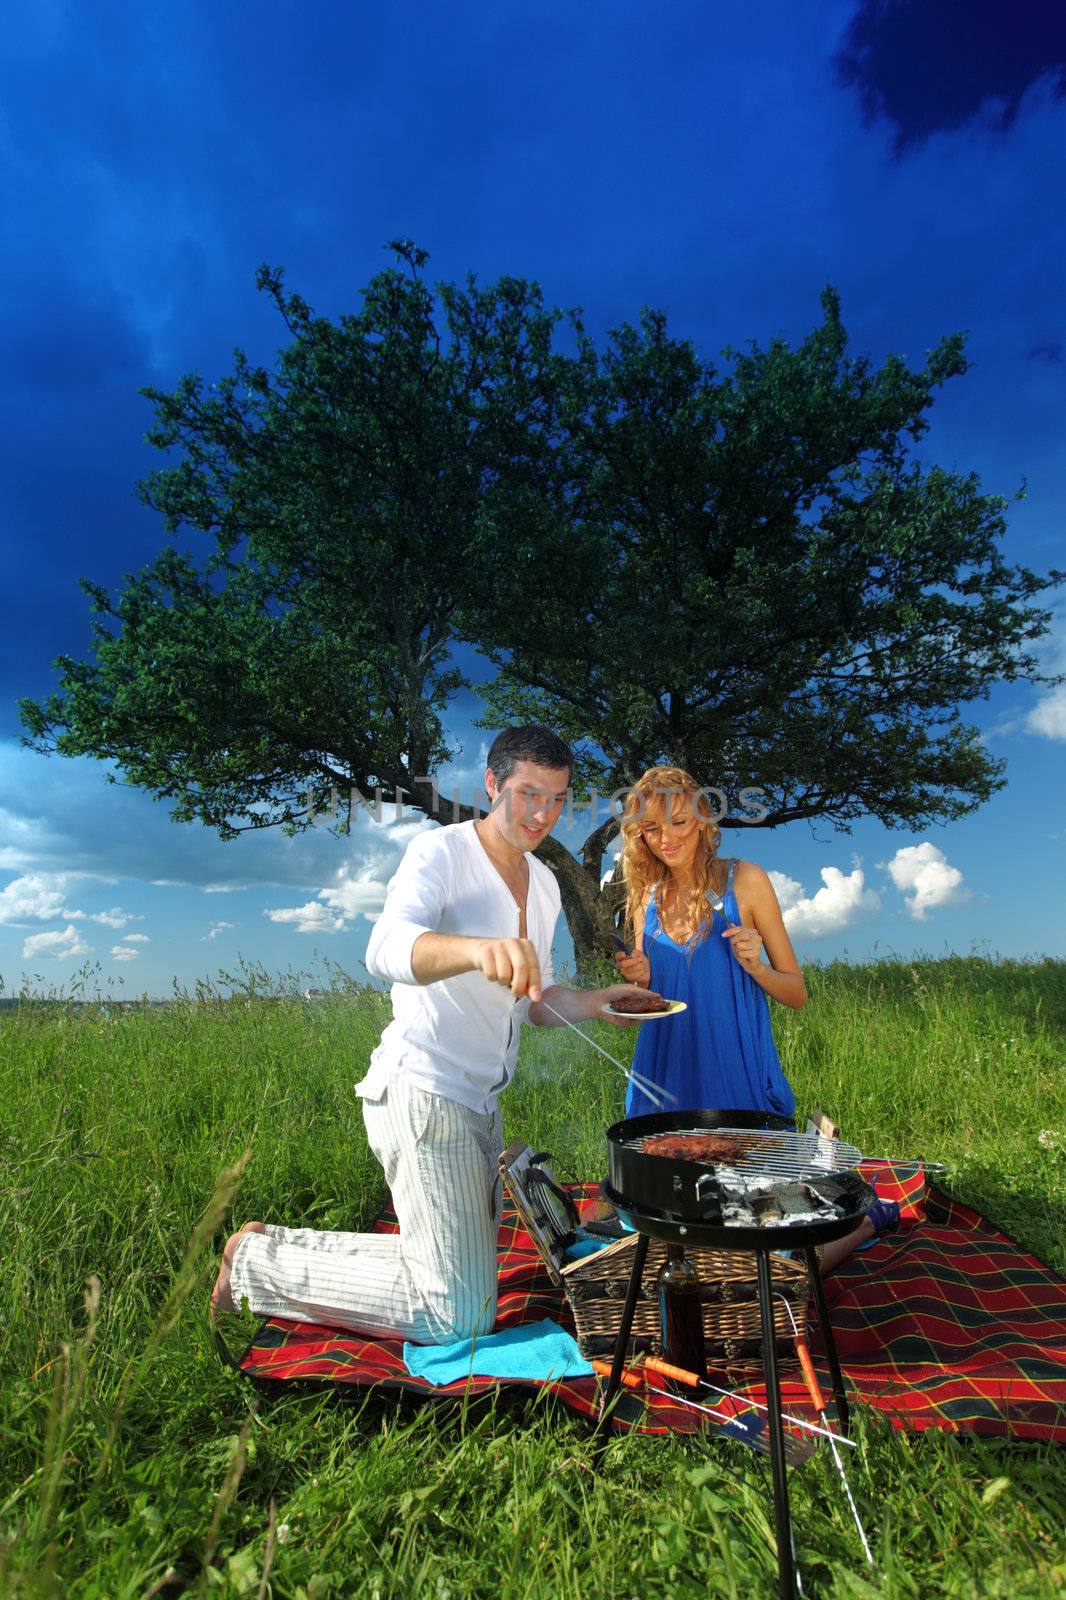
766 588
745 572
302 649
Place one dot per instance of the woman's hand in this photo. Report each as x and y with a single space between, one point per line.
635 968
747 946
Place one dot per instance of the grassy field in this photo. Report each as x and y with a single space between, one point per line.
133 1464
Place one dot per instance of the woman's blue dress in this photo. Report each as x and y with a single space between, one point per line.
719 1053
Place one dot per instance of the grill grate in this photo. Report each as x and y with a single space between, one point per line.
769 1155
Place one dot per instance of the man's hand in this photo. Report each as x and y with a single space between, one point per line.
615 992
512 962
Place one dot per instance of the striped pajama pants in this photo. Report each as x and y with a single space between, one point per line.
433 1282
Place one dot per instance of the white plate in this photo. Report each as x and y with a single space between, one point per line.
646 1016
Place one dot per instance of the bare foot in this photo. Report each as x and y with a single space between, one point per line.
221 1297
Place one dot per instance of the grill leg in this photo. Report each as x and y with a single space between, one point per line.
786 1563
828 1340
614 1382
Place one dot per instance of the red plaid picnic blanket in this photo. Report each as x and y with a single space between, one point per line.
945 1323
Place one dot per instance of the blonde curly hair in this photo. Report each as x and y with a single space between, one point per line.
642 872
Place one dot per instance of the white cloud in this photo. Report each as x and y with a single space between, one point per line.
63 946
122 952
464 780
24 842
135 938
924 872
843 901
356 894
42 897
35 897
215 929
1048 716
115 918
61 820
359 888
310 918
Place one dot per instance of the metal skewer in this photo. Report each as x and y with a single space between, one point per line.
657 1095
737 1427
734 1427
654 1365
814 1390
737 1423
636 1378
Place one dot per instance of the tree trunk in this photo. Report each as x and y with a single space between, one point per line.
589 910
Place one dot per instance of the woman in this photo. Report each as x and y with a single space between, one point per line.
697 928
721 1051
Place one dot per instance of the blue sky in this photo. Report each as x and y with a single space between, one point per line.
723 163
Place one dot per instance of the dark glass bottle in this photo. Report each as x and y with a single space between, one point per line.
680 1313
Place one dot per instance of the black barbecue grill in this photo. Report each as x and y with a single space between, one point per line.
777 1190
778 1182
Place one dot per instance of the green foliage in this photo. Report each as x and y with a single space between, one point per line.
748 576
339 495
745 572
133 1459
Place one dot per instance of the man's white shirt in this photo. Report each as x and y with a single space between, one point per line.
459 1036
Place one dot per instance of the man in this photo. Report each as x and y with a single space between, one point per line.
465 938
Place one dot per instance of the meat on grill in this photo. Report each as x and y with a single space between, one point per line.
712 1147
639 1004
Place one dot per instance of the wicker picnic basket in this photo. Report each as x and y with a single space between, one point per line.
595 1285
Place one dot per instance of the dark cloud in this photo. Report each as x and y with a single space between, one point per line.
705 161
69 339
71 425
61 815
710 160
932 65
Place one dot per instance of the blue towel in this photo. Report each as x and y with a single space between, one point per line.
537 1350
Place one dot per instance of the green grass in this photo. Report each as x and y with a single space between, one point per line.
133 1463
